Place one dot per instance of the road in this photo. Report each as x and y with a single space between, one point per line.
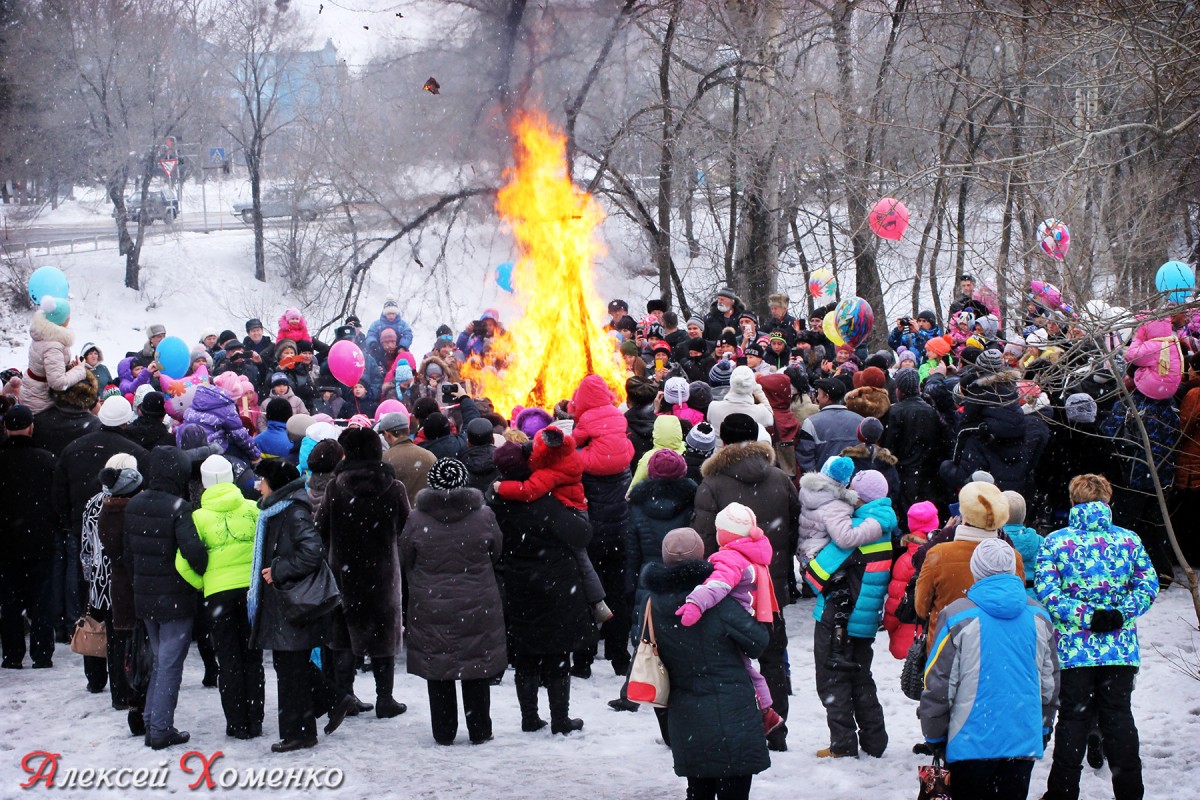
106 229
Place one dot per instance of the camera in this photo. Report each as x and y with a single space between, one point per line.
448 392
906 322
479 328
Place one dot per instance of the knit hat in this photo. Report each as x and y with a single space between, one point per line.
279 379
922 517
676 391
1080 407
928 316
447 474
871 376
479 432
990 361
728 337
111 390
325 457
278 410
512 461
391 305
115 412
404 371
139 396
754 349
277 472
667 465
721 372
198 353
908 382
1015 347
120 481
682 544
993 557
840 468
699 396
1016 507
737 521
739 428
694 321
982 505
870 485
702 438
436 426
215 469
939 346
361 444
121 461
298 424
1037 338
870 430
18 418
906 354
629 348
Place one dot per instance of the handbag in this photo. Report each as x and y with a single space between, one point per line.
912 675
139 659
310 597
89 638
648 679
934 781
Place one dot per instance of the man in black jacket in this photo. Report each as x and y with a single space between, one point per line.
148 430
69 418
481 469
26 559
914 435
158 522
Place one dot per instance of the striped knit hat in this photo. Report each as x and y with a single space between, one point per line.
447 473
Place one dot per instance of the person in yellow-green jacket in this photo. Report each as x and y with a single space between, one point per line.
226 524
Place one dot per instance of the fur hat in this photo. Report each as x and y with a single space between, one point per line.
640 391
84 394
727 293
993 557
840 468
278 410
155 329
1016 507
922 517
868 401
325 457
778 300
666 464
276 472
215 469
447 473
737 520
115 412
676 391
739 427
682 544
982 505
155 405
531 420
702 438
870 485
1080 407
361 444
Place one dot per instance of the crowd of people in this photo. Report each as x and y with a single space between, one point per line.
982 496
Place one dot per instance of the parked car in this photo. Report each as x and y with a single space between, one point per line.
280 204
160 204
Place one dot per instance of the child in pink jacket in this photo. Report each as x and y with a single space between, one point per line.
922 519
742 570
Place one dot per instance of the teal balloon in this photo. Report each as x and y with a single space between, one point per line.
504 276
47 282
1177 280
173 356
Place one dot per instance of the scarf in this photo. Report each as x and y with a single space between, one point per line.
256 568
969 533
1164 353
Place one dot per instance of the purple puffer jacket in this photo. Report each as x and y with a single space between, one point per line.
214 411
130 384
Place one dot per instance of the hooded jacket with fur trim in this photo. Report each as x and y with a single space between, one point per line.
600 430
49 357
297 332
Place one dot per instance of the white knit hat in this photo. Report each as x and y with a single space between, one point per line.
121 461
215 469
676 391
115 412
736 519
993 557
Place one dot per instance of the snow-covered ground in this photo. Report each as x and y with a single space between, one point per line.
617 755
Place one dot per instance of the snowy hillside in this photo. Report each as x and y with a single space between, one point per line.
616 756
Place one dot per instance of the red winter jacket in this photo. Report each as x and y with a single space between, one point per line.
600 430
556 469
900 635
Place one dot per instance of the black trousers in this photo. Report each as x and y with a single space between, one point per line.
443 709
240 676
774 668
990 779
851 700
1107 690
95 668
304 694
546 667
736 787
26 588
123 694
608 559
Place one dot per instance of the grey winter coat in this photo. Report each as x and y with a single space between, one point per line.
826 433
828 509
449 548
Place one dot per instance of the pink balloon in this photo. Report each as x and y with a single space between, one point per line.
388 406
346 362
889 219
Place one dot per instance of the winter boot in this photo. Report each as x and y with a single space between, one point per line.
623 703
838 660
527 698
771 720
560 704
1095 749
137 724
386 706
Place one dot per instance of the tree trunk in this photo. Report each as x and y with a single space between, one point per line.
666 162
254 168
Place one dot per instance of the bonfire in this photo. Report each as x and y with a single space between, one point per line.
559 340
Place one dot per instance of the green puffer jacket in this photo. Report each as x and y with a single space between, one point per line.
225 521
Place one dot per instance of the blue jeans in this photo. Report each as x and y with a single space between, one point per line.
170 640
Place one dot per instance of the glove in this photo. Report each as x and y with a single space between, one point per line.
937 750
690 612
1106 620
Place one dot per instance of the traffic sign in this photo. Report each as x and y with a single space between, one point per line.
168 165
216 155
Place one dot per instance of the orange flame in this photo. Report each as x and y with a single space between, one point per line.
542 356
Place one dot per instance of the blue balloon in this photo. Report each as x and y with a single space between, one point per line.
504 276
173 356
1177 280
47 281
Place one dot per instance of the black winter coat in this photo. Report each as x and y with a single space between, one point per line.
640 421
715 321
481 470
695 460
914 435
1075 448
454 445
30 528
292 549
714 721
608 510
544 605
359 521
656 507
449 549
149 433
77 473
158 522
58 426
